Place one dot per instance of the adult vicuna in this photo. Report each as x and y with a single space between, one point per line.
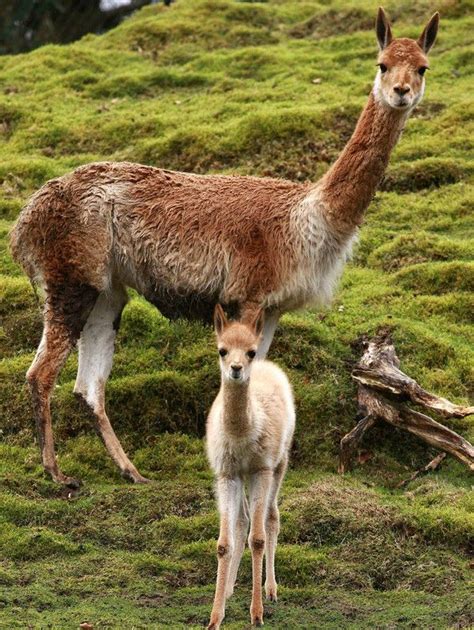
249 432
187 242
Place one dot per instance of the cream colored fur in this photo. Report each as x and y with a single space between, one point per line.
249 432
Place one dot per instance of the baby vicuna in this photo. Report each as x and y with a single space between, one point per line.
249 433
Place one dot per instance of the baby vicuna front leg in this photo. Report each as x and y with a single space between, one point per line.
249 432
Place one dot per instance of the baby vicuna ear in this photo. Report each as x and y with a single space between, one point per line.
256 323
383 30
427 38
220 319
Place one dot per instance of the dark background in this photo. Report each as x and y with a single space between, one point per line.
27 24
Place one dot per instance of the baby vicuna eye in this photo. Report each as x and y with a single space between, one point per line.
222 352
251 354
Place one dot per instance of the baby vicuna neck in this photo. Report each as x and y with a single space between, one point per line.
236 410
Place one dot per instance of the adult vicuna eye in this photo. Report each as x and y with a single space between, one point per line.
422 70
383 68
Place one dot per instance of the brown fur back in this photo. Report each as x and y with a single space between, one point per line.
182 240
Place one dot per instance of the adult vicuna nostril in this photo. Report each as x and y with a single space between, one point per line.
401 89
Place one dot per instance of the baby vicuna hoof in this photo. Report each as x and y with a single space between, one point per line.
249 433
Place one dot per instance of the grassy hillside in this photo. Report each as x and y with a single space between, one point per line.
267 88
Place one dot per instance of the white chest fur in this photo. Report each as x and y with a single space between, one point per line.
320 252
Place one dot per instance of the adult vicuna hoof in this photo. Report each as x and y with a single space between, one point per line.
71 483
141 479
135 477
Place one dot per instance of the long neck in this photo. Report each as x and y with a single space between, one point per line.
236 407
349 185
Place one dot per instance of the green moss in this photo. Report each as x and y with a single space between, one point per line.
418 247
437 278
266 88
9 208
33 543
425 173
333 22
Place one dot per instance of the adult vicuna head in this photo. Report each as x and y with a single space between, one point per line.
400 81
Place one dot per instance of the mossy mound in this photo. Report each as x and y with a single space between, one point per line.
262 88
425 173
437 278
418 247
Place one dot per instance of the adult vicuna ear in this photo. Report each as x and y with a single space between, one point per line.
427 38
220 320
383 30
257 322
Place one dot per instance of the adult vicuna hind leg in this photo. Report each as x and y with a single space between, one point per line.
64 314
96 349
272 529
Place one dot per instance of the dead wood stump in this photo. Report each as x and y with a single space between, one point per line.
383 393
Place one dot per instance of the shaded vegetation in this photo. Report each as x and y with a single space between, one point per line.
266 88
28 24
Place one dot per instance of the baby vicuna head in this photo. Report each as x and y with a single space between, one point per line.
237 344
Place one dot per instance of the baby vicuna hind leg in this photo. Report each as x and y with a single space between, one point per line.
241 531
96 349
272 529
259 490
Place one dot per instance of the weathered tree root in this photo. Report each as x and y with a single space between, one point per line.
383 392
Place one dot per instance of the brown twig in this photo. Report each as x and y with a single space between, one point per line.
432 465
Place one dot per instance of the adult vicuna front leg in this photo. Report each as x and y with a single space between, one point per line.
260 485
96 349
269 327
229 493
272 529
270 323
